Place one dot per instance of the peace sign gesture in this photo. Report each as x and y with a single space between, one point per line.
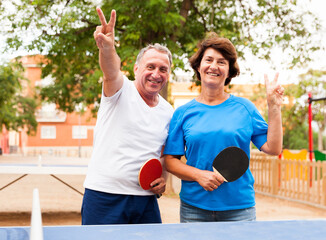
274 91
104 34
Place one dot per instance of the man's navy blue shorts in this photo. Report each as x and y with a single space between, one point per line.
106 208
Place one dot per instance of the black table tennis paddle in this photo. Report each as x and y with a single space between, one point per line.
231 163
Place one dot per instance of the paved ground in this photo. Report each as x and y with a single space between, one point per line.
61 206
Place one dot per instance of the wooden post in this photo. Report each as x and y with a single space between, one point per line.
275 175
323 194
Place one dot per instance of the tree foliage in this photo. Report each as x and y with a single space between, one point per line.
63 31
298 138
16 111
296 115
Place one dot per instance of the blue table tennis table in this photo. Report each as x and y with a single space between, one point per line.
257 230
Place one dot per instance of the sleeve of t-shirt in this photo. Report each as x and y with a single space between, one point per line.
114 98
260 127
175 141
108 103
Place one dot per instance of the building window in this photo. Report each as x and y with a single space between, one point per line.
79 132
48 132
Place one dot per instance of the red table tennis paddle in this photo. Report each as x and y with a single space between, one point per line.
151 170
231 163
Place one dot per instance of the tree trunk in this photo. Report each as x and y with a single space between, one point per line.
186 5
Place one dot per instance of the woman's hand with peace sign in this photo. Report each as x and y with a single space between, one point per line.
274 92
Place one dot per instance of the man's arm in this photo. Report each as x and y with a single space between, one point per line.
108 58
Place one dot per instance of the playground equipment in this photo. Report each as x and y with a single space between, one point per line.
292 170
301 172
310 100
302 155
319 156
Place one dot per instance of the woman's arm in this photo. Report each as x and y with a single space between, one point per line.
209 180
274 142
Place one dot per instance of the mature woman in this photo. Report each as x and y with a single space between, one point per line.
211 122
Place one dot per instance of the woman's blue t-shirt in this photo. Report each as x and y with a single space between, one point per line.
200 132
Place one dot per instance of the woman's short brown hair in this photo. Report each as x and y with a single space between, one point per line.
225 47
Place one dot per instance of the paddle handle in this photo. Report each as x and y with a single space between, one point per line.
220 174
157 195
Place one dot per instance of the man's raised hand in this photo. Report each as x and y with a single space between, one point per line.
104 34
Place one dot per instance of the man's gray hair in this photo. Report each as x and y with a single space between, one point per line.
157 47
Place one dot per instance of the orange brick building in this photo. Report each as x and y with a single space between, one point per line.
58 133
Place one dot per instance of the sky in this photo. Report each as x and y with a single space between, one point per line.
259 67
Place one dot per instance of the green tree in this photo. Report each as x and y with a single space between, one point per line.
63 31
16 111
297 138
313 81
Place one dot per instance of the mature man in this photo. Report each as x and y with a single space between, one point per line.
132 126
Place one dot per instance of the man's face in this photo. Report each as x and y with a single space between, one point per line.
152 72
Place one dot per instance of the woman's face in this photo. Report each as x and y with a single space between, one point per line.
214 68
